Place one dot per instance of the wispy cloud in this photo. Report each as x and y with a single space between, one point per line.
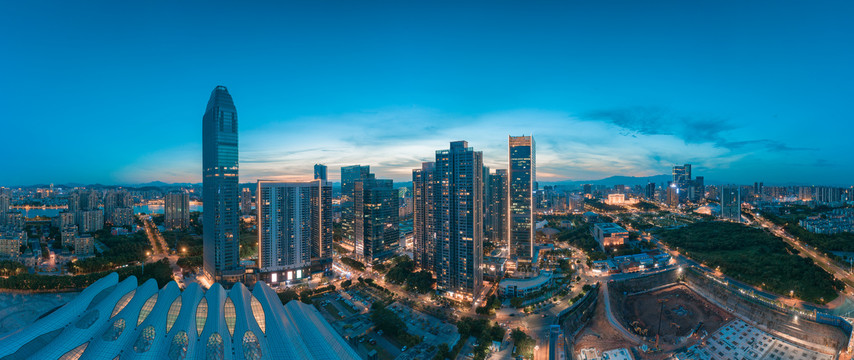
636 141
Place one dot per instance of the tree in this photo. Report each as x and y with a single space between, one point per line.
305 296
443 353
524 343
346 283
288 295
516 302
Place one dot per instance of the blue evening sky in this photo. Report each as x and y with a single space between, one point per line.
114 91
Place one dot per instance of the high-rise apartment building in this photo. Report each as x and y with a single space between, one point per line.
423 221
73 202
375 222
805 193
84 245
349 176
759 190
90 220
497 208
5 204
321 230
649 191
682 176
89 200
320 172
294 228
450 219
176 210
731 202
220 212
828 194
672 198
116 205
521 179
68 234
697 190
246 201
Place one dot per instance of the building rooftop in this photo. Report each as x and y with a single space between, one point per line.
542 277
610 227
112 320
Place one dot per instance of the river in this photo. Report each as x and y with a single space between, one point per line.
148 209
21 309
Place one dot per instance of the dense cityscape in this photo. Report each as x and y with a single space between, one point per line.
463 261
419 233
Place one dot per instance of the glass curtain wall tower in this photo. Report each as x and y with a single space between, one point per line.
221 213
349 176
520 190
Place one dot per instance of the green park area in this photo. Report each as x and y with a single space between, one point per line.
755 257
824 242
159 271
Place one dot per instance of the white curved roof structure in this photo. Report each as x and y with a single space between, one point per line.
118 320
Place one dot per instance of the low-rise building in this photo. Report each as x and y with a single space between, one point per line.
609 234
494 267
590 217
524 287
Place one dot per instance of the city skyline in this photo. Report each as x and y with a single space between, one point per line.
607 90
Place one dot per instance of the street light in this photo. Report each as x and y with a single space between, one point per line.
147 253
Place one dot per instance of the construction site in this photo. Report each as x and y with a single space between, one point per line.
686 315
672 316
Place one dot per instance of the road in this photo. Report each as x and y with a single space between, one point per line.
807 251
159 247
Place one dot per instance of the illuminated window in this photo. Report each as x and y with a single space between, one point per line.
75 353
144 340
251 348
258 312
123 302
214 349
230 315
178 348
201 316
146 309
114 331
172 315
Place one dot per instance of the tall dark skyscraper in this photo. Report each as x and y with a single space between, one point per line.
649 191
176 210
731 202
320 172
682 176
221 212
497 214
449 219
424 212
375 222
349 176
521 179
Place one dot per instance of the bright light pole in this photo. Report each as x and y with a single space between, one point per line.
147 253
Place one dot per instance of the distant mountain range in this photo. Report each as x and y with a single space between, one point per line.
613 180
608 181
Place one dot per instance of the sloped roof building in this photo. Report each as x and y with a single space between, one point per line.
120 320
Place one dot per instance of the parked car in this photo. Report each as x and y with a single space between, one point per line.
403 349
